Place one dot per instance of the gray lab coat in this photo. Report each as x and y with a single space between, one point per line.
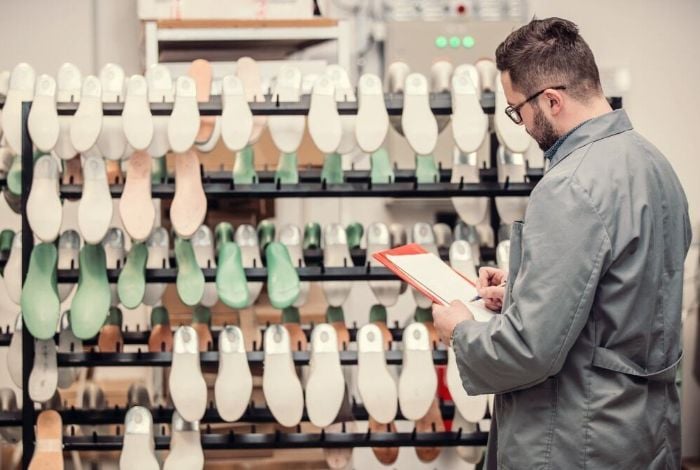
583 357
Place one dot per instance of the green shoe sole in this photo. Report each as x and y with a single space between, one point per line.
190 279
381 169
291 315
92 298
332 171
131 285
244 167
39 300
423 315
283 284
312 236
377 313
426 169
287 170
223 233
231 283
334 314
266 233
354 233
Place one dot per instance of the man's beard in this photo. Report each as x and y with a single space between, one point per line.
543 132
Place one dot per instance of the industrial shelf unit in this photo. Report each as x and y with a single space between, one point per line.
220 185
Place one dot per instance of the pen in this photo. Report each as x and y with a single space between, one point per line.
478 297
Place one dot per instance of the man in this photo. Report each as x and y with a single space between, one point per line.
583 356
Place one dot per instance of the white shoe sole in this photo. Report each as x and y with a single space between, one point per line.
138 447
343 92
472 408
248 72
43 379
160 90
324 121
287 131
21 88
417 121
183 125
236 117
418 380
372 118
461 259
465 169
234 382
87 120
336 254
187 387
511 167
44 209
469 122
374 381
136 116
379 239
112 141
185 446
281 385
95 207
326 385
43 118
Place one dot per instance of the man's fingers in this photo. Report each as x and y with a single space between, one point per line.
489 276
492 292
485 275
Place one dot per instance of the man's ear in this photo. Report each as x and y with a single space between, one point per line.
554 100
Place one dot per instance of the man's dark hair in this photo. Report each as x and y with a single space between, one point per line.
547 53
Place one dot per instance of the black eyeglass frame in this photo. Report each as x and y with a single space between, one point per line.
513 112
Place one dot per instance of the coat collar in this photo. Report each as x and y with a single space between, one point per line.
598 128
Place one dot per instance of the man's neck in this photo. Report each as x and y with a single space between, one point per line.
582 112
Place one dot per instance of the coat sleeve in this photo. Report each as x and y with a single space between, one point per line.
564 249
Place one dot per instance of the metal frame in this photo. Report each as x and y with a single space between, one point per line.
254 414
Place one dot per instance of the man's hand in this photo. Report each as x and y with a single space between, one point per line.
446 318
491 287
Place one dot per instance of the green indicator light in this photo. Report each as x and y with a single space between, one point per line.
455 42
441 42
468 42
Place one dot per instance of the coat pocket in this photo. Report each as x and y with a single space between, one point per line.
614 361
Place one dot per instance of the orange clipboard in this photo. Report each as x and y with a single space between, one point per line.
408 250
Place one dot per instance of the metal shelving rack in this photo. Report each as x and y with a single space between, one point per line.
220 185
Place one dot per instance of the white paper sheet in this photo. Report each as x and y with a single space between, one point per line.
438 278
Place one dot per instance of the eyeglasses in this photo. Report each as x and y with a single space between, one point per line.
513 112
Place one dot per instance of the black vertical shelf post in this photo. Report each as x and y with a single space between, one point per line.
28 415
494 217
